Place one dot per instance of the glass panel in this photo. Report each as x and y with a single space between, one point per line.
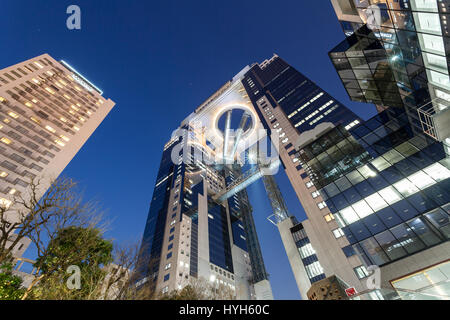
406 188
376 202
380 163
424 232
390 195
355 177
441 220
374 251
438 172
427 22
407 238
421 180
390 245
362 209
349 215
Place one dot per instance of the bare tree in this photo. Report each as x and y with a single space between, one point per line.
200 289
29 215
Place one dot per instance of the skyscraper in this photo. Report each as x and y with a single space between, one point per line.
275 97
393 206
193 230
299 111
48 111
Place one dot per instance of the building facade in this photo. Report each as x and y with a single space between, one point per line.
392 204
48 111
190 234
297 110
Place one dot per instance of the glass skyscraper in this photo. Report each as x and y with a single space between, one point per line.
392 202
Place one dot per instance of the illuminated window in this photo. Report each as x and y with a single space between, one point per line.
63 119
315 194
405 187
28 104
50 90
50 129
421 180
3 174
362 209
13 115
438 172
60 143
5 140
2 99
35 120
349 215
35 81
376 202
65 138
338 233
38 64
367 172
12 191
389 195
306 251
329 217
6 120
321 205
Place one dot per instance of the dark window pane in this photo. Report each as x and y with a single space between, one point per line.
440 219
425 233
407 238
374 251
390 245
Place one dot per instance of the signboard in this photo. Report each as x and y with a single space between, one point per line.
350 292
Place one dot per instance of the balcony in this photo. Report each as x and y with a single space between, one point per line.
435 119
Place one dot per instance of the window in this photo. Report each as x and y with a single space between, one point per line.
170 238
338 233
169 255
390 195
315 194
438 172
170 246
167 267
405 187
376 202
421 180
165 290
306 251
361 272
314 269
329 217
362 208
349 215
309 184
5 140
321 205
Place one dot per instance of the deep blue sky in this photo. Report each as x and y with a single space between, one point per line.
158 60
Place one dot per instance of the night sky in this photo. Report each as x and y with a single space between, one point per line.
159 60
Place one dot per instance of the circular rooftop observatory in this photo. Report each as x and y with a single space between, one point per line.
234 125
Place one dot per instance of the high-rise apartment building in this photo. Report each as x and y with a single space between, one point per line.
48 111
